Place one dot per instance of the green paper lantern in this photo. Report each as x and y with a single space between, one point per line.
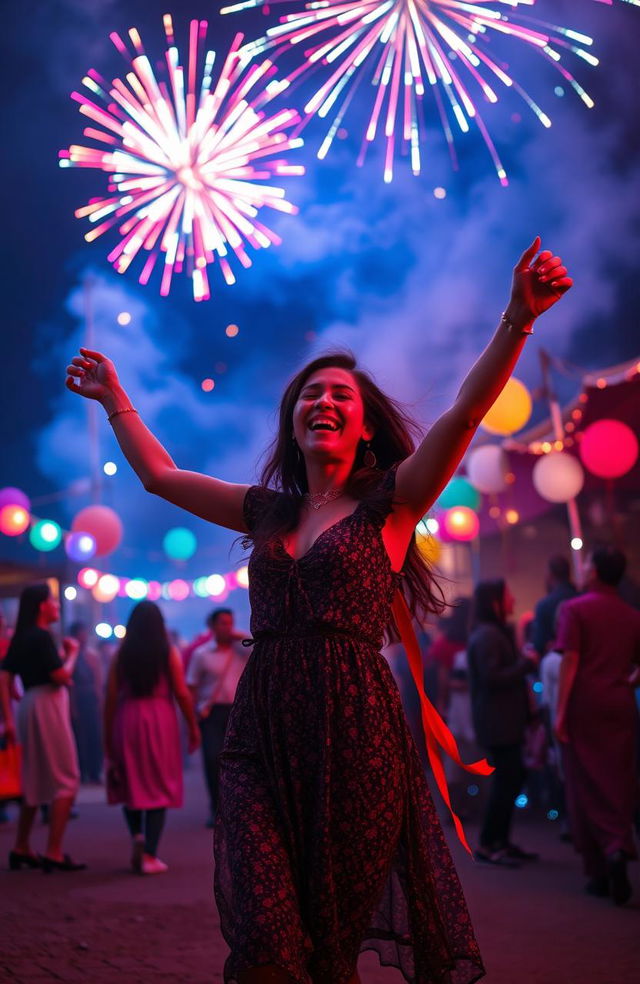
45 535
459 492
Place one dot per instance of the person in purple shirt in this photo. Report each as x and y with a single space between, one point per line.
597 721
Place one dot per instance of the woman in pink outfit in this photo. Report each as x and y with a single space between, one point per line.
144 770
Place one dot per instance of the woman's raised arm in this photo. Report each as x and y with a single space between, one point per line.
538 282
94 376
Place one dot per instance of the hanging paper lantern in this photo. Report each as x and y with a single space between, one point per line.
179 543
511 411
558 477
609 448
154 592
459 492
487 469
14 520
106 589
80 546
429 547
88 577
10 496
45 535
103 524
461 523
178 590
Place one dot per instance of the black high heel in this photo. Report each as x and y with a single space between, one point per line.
17 861
67 864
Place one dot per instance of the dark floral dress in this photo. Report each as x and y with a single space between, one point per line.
327 842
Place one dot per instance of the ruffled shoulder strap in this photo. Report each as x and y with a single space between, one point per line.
257 502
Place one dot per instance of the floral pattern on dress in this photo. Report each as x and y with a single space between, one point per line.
327 842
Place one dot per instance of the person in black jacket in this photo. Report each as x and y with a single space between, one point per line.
500 708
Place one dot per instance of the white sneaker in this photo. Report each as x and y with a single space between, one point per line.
153 866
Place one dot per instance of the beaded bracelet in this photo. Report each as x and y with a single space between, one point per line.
509 325
124 410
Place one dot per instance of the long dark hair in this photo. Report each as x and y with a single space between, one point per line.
28 610
395 435
30 600
488 603
143 656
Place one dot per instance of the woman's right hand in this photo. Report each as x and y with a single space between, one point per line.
92 375
70 646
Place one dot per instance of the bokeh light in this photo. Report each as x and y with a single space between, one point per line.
88 577
80 546
45 535
106 589
14 520
216 585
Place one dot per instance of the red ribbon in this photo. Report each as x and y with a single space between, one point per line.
436 732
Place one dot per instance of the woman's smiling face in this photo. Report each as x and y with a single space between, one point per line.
329 415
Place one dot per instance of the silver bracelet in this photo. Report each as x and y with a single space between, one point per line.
509 325
124 410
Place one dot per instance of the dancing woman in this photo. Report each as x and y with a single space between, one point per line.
326 840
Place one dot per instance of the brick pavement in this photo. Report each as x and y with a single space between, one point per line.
106 925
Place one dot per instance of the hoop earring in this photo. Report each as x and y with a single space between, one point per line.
369 460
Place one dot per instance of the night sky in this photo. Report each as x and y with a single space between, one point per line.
413 284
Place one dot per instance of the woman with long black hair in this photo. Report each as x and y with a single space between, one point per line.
326 839
50 772
500 710
142 740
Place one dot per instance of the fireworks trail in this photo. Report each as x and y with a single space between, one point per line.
190 162
406 48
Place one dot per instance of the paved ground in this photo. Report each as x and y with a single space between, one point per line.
106 925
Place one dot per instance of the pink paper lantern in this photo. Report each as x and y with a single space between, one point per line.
103 524
461 523
609 448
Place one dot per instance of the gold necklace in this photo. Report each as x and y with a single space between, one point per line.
318 499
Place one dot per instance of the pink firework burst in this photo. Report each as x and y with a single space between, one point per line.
404 49
190 161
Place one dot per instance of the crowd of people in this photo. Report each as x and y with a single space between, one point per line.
566 687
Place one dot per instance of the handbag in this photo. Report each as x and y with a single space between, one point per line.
10 765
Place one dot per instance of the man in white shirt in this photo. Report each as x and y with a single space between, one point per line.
212 676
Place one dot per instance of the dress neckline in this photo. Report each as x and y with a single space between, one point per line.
343 519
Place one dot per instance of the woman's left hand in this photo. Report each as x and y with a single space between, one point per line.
538 282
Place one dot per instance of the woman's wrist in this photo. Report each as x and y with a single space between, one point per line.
116 400
517 319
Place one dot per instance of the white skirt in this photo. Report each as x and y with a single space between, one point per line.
49 757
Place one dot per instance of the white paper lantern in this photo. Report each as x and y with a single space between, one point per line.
487 469
558 476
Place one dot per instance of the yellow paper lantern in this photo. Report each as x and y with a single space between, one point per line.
429 547
511 411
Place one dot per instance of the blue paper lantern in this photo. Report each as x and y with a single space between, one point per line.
179 543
